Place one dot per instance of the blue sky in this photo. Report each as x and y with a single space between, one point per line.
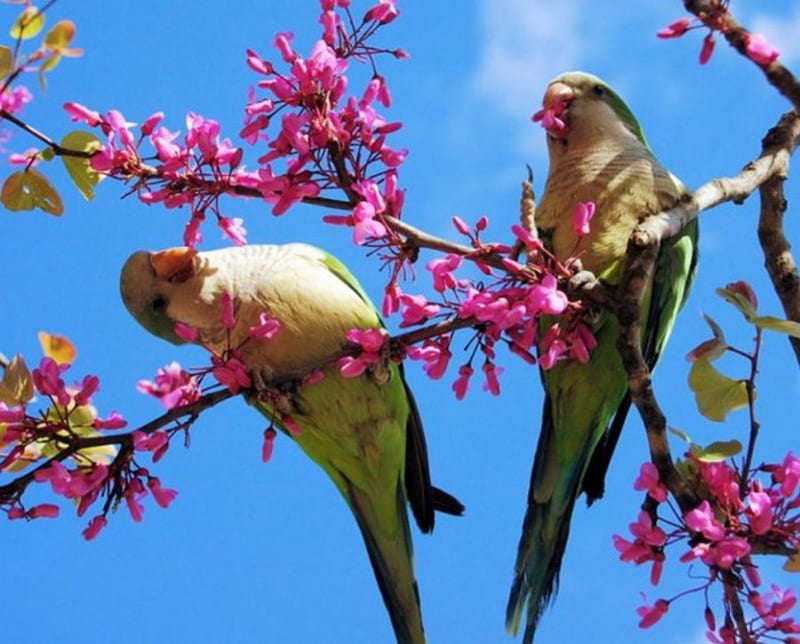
252 552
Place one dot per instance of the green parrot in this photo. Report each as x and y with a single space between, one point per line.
365 432
598 153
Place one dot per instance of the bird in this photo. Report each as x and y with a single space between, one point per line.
365 432
597 153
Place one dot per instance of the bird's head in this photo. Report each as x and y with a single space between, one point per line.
580 106
151 280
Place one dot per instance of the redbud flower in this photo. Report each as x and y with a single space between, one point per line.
581 216
651 614
759 50
462 382
676 29
648 480
269 444
266 329
186 332
708 49
233 228
163 496
95 526
228 315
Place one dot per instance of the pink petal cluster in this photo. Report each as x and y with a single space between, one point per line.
173 386
231 372
759 50
435 355
371 343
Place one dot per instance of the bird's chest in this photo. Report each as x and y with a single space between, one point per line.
623 189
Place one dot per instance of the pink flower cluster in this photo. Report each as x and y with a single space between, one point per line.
722 532
508 310
756 48
93 471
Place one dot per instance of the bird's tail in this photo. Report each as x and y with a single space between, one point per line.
551 499
388 541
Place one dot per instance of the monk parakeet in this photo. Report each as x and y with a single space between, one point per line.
598 153
365 432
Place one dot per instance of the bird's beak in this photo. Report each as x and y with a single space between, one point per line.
174 264
554 106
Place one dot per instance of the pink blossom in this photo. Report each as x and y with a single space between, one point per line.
787 474
492 384
89 388
581 216
78 112
58 475
233 228
442 270
550 118
26 158
677 28
135 508
191 234
43 511
13 100
173 386
644 530
759 50
391 298
186 332
759 512
545 297
461 226
527 237
708 49
648 480
114 421
383 12
651 614
163 496
150 124
435 354
95 526
269 444
393 158
266 329
231 373
462 382
702 519
365 226
48 382
636 551
371 340
416 309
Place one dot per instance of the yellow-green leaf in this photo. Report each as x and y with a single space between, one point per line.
777 324
49 64
83 176
717 451
28 24
29 189
6 61
60 36
792 563
47 154
57 347
16 387
716 394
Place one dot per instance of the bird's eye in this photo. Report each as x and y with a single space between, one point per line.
598 90
159 303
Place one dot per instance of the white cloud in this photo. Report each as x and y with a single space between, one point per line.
524 46
782 33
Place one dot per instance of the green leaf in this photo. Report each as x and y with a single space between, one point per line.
79 169
28 24
777 324
717 451
716 394
47 154
29 189
6 61
16 386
